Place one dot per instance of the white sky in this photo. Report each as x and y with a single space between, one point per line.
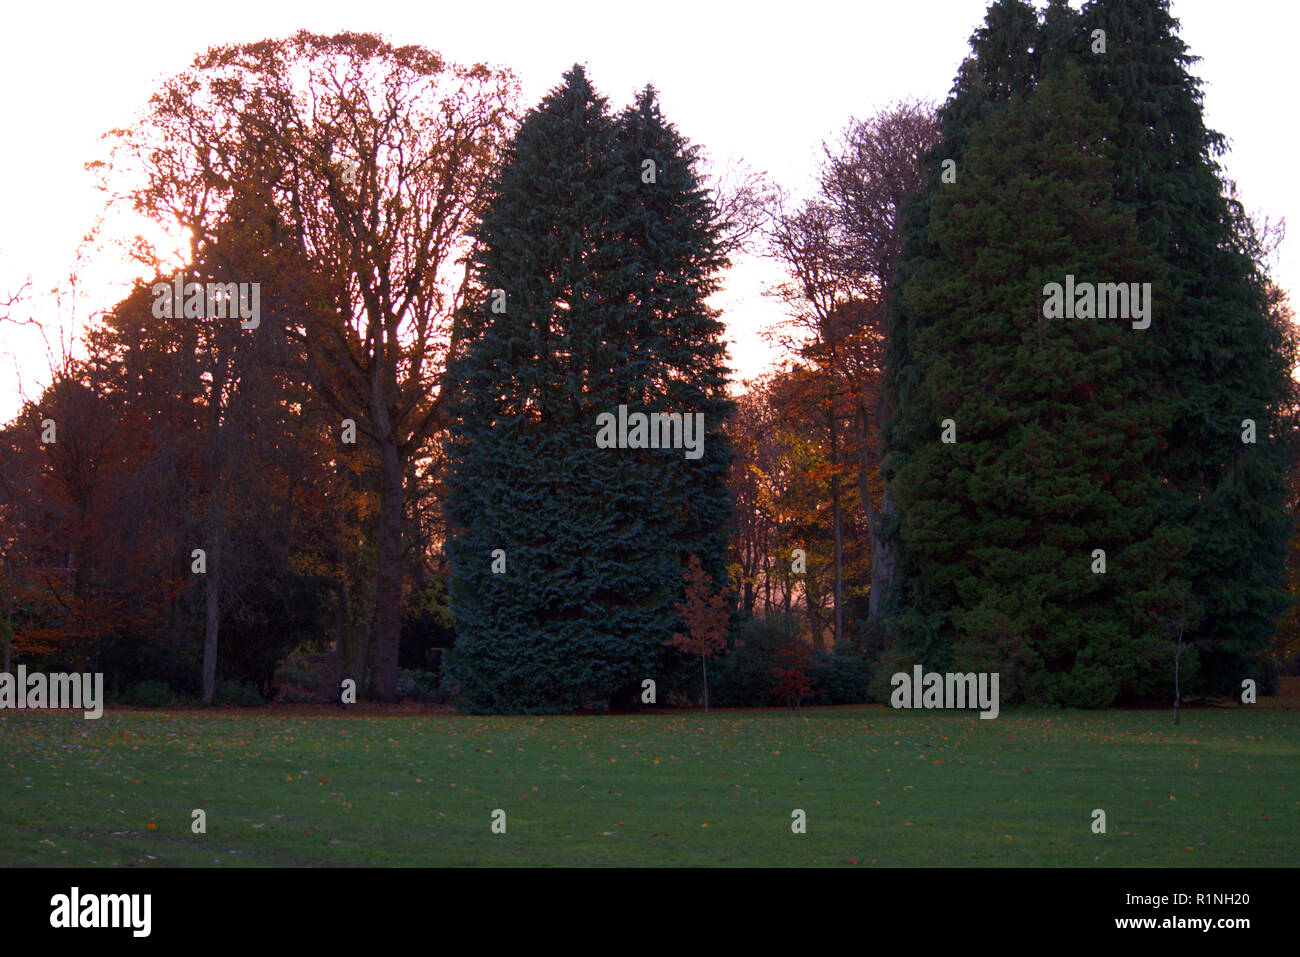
764 81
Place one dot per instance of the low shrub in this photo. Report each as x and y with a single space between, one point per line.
792 680
295 694
742 678
421 685
151 694
842 678
240 693
302 678
889 663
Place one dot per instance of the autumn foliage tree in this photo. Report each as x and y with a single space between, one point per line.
705 614
367 162
838 251
782 480
791 679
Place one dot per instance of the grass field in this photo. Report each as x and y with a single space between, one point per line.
879 787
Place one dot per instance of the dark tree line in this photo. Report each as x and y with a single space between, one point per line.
404 447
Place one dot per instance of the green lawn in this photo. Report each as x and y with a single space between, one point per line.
882 787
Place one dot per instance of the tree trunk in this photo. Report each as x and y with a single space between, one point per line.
388 594
1178 658
341 609
838 560
8 633
211 597
838 596
818 636
883 558
356 611
216 474
704 663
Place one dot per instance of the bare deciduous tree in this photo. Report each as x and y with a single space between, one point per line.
746 200
373 159
840 249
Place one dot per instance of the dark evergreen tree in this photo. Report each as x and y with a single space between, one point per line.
1217 345
1057 428
1003 60
1213 346
603 275
679 356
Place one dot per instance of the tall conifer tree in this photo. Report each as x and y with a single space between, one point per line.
603 269
1212 347
1057 431
1002 60
680 358
1217 345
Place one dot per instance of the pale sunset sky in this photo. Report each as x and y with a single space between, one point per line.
766 82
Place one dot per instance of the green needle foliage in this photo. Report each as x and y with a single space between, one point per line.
1131 444
1058 428
604 276
1219 350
